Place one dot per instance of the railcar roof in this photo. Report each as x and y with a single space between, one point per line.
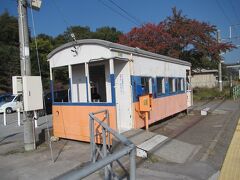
107 44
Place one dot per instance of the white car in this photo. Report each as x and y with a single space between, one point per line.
11 104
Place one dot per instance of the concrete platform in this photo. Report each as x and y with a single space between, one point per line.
145 141
177 151
144 174
162 146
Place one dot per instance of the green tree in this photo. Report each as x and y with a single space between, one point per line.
59 40
45 46
107 33
78 31
9 50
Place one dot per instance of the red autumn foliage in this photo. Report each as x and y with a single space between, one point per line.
177 35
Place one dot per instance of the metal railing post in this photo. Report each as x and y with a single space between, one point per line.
106 157
106 171
237 91
133 164
92 142
108 133
109 142
105 152
4 117
19 116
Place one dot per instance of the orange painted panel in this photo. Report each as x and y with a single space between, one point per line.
161 108
72 122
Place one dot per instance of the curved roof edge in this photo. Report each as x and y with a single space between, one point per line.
116 46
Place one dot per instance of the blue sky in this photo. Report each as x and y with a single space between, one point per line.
56 15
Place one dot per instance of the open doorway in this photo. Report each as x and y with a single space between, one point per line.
98 83
61 85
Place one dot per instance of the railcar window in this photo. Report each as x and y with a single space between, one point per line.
145 84
188 80
160 85
182 85
171 82
178 84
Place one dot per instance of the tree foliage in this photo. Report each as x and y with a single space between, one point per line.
107 33
9 48
45 46
177 36
180 37
9 51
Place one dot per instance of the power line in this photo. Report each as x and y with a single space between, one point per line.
61 13
120 14
126 12
72 35
234 11
223 12
40 74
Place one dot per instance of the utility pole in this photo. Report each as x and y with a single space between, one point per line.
219 65
29 136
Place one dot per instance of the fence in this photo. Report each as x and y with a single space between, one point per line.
6 114
102 155
235 92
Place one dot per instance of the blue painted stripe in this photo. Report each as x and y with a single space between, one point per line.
112 80
154 87
167 87
52 90
82 104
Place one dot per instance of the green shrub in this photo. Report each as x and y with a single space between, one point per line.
210 93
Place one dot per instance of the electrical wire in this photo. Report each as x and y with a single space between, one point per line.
68 26
126 15
61 14
35 41
40 73
234 11
126 12
120 14
223 12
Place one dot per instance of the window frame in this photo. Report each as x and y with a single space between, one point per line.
149 84
178 85
171 85
182 89
163 86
